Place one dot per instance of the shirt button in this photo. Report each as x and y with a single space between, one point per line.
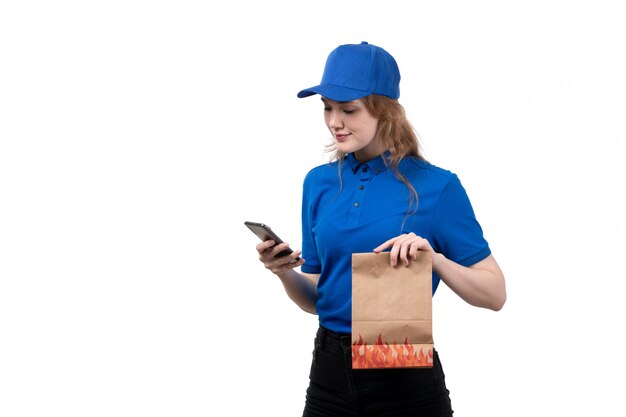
356 204
364 169
361 187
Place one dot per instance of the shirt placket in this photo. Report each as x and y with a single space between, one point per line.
363 175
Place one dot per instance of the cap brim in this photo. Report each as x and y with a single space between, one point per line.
334 92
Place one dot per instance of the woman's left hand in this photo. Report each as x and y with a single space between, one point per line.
404 248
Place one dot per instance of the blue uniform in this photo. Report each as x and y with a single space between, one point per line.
364 205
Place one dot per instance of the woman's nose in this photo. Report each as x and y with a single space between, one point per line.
335 121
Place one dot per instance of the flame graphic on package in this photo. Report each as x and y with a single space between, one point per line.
385 355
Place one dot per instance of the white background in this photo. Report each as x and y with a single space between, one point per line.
136 137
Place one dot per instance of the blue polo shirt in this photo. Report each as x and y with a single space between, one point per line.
354 207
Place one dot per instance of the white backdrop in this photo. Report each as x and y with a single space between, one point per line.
136 138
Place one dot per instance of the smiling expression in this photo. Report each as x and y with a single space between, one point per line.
353 128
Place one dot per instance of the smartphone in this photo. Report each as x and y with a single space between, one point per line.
264 232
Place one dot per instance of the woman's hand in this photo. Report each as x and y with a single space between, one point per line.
481 284
267 251
404 248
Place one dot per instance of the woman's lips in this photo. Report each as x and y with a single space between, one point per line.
339 137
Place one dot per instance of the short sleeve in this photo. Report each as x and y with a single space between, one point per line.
455 231
309 248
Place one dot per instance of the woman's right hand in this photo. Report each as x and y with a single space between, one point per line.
267 251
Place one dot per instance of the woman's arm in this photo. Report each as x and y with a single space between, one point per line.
300 287
481 285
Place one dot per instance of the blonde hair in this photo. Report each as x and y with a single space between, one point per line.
397 135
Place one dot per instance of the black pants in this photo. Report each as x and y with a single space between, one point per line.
336 390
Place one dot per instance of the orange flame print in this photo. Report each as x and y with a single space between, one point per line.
384 355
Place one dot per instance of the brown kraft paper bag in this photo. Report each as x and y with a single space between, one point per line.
391 312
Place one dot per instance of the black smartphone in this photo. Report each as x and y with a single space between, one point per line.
264 232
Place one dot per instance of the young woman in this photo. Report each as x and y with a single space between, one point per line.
378 193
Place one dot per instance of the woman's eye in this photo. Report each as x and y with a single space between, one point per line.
326 108
348 111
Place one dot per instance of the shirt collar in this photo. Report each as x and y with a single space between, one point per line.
376 165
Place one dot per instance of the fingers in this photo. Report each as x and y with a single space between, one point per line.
269 247
399 250
386 245
275 250
267 255
263 246
283 263
404 248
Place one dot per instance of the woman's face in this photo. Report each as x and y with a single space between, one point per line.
353 128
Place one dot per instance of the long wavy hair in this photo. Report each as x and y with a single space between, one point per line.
397 135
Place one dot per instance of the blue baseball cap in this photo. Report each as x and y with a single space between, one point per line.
356 71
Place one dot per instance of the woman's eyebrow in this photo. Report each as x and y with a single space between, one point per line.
325 101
